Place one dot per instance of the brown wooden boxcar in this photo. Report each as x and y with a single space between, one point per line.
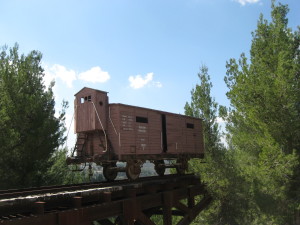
108 133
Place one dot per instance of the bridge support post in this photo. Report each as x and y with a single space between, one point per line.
123 204
129 207
77 201
39 208
167 208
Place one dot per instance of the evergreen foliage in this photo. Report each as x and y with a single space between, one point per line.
256 180
264 122
60 173
29 132
217 172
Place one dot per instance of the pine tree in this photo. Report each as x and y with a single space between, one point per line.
29 132
264 123
218 170
204 106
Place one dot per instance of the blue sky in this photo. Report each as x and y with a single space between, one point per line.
144 53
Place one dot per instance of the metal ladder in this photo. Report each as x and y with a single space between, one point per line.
80 145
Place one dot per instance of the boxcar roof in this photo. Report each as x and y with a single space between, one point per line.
90 89
134 106
138 107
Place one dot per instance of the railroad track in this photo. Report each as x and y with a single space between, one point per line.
27 202
18 193
108 203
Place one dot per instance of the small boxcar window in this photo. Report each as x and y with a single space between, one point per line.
140 119
82 100
190 125
89 98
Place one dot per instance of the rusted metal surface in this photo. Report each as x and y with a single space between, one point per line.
117 132
130 203
142 137
133 130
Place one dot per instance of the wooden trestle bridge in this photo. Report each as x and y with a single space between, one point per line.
119 202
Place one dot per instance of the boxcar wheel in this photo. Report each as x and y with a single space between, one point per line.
109 173
160 170
133 170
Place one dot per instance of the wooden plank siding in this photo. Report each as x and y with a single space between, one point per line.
134 131
146 138
86 117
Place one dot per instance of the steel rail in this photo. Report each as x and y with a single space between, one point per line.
124 201
13 193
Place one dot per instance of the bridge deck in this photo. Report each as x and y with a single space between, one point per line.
121 202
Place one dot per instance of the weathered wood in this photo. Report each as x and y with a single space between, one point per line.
143 219
77 201
167 208
39 208
134 204
132 130
130 211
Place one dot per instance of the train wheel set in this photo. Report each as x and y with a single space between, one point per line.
108 133
133 168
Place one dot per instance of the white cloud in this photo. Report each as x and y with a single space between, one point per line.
94 75
61 72
220 120
48 77
224 141
222 124
244 2
138 81
157 84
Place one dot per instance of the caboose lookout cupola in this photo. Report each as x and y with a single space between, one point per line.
90 110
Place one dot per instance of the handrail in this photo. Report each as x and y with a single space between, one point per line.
114 126
101 127
69 130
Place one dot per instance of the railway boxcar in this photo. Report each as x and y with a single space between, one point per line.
108 133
